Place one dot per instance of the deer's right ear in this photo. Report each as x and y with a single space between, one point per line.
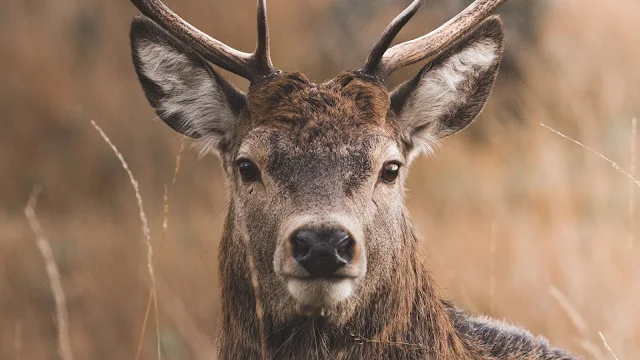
186 92
450 90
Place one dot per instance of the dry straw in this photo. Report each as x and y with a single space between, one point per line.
17 340
176 171
144 325
566 305
632 193
632 228
145 227
165 227
611 162
492 267
62 317
606 344
578 321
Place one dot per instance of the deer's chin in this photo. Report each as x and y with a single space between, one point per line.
320 293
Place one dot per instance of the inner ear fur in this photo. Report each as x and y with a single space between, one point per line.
450 90
187 94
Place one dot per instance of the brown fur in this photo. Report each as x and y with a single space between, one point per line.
319 149
392 321
347 102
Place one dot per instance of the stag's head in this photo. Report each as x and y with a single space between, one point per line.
316 171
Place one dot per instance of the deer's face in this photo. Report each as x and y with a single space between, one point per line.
316 179
315 172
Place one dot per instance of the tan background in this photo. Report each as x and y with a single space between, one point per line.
507 209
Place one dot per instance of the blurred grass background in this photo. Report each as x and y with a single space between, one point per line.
508 210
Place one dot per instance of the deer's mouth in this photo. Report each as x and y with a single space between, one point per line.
321 292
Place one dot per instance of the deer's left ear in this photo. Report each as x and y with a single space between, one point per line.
449 92
187 94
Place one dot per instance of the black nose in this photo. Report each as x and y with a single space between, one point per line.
322 252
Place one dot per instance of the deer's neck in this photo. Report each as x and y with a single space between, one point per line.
403 318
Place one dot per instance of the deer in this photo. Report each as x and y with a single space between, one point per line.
318 256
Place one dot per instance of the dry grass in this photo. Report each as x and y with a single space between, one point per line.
507 209
573 314
608 347
146 232
615 165
578 321
632 228
165 226
144 325
53 273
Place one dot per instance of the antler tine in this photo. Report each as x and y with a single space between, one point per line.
251 66
431 44
383 43
262 53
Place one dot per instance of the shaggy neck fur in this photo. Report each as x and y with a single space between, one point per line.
403 319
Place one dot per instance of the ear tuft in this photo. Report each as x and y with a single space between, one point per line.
185 91
450 91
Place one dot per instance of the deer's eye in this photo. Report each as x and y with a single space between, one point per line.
248 171
390 172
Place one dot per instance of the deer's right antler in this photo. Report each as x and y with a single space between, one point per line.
251 66
383 60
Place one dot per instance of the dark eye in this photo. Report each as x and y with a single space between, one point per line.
390 172
248 171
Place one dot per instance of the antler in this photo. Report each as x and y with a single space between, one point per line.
251 66
382 61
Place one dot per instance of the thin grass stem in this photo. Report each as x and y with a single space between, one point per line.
53 273
146 232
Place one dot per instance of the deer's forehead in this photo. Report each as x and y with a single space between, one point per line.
347 102
266 143
292 157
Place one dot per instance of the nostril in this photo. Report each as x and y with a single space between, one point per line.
300 246
344 247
